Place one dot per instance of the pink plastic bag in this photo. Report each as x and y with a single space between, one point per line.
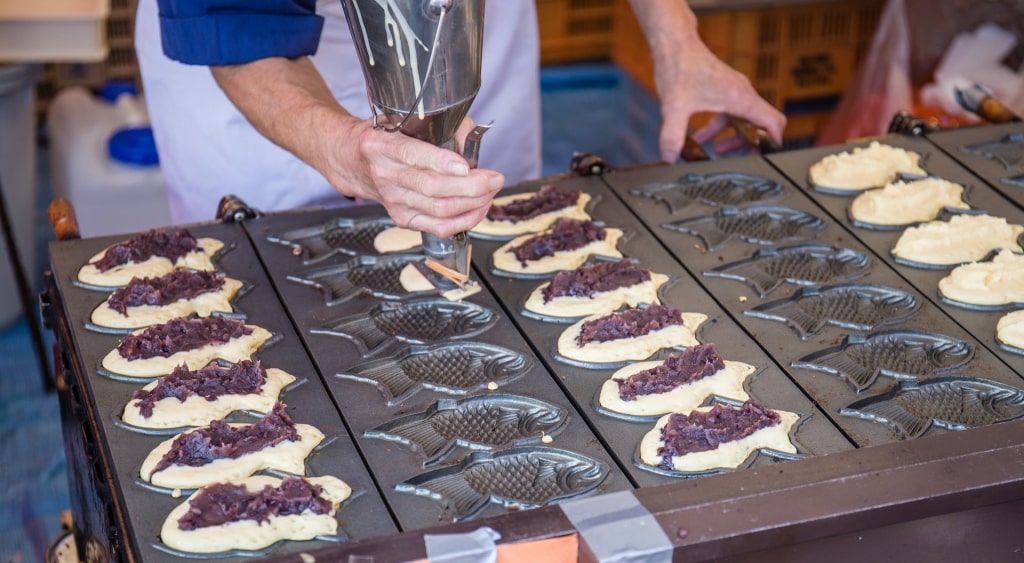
881 87
911 39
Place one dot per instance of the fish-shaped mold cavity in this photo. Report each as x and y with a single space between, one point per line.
1015 181
452 368
851 306
725 188
767 225
954 403
899 354
521 478
1008 151
809 264
487 422
423 321
346 236
376 276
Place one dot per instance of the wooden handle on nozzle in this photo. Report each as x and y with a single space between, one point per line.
63 220
993 111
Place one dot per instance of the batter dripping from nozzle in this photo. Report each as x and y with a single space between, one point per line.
427 104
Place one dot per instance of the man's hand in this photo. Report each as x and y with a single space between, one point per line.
690 79
423 187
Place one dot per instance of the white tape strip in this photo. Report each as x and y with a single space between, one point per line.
617 528
478 546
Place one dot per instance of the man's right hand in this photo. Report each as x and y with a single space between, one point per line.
423 187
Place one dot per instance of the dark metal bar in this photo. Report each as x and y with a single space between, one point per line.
24 287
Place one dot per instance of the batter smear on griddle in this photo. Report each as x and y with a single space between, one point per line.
151 243
629 324
223 503
242 378
220 440
546 200
158 291
598 278
179 335
696 362
705 431
566 234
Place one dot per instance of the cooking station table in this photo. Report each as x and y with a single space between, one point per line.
860 489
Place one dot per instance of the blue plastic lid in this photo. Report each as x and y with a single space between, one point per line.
111 89
133 145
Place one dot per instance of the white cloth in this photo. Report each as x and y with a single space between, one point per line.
208 149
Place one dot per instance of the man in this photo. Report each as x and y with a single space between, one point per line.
313 108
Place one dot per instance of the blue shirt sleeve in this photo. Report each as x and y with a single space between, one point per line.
224 32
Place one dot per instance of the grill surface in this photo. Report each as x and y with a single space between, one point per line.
335 355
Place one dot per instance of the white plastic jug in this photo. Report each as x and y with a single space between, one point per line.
115 187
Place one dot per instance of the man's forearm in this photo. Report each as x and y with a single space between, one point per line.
691 79
288 102
670 27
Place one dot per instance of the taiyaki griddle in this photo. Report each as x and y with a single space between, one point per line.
995 153
113 462
817 435
413 374
982 198
440 458
817 306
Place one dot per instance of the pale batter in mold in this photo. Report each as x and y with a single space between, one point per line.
253 535
241 348
999 281
202 305
155 266
599 303
964 238
864 168
396 239
534 224
728 455
635 348
413 280
726 382
903 203
1010 329
195 410
287 456
506 261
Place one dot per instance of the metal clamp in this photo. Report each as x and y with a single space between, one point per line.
232 209
589 164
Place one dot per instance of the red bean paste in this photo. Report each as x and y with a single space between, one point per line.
146 245
175 286
628 324
694 363
704 431
546 200
220 440
565 234
598 278
178 335
242 378
223 503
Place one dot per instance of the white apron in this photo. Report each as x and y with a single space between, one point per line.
208 149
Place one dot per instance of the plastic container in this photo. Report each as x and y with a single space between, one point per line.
104 162
18 177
